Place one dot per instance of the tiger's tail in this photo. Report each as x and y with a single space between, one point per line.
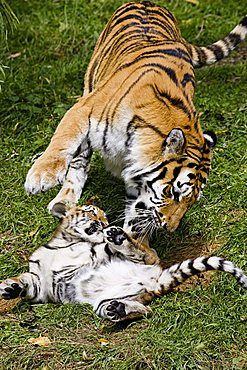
179 272
202 56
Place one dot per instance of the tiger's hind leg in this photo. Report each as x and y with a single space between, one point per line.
75 180
122 309
26 285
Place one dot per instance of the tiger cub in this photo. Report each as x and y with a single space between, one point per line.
88 261
138 111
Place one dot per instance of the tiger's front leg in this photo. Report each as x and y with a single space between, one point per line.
75 180
51 167
132 250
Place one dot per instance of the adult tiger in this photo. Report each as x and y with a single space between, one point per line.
138 111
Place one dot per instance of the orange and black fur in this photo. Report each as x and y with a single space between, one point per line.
138 111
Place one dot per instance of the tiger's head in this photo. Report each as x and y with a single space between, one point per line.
83 222
168 189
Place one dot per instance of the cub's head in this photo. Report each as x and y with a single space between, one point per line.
83 222
168 189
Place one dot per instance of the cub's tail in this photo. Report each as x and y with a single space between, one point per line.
202 56
179 272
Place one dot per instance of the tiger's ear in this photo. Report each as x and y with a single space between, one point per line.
174 142
210 137
59 210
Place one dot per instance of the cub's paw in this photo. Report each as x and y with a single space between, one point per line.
115 235
11 289
116 311
45 174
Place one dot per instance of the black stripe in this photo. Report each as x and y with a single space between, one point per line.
164 13
131 16
217 50
208 267
176 172
156 168
37 262
176 102
221 265
149 16
104 144
192 165
243 22
160 53
188 78
125 8
193 270
47 246
160 176
202 57
177 53
92 250
234 39
108 251
34 274
144 124
184 275
169 71
193 155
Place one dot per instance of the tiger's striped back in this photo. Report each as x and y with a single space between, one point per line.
129 37
137 27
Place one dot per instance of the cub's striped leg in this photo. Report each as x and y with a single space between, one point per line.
51 167
121 309
26 285
132 250
75 180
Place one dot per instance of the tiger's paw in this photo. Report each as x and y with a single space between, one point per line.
45 174
115 235
11 289
116 311
125 310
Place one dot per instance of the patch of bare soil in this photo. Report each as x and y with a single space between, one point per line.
7 306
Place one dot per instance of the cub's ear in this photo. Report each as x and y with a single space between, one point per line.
93 201
59 210
210 137
174 142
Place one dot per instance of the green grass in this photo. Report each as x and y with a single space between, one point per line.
202 327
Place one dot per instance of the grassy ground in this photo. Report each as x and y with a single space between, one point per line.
203 325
